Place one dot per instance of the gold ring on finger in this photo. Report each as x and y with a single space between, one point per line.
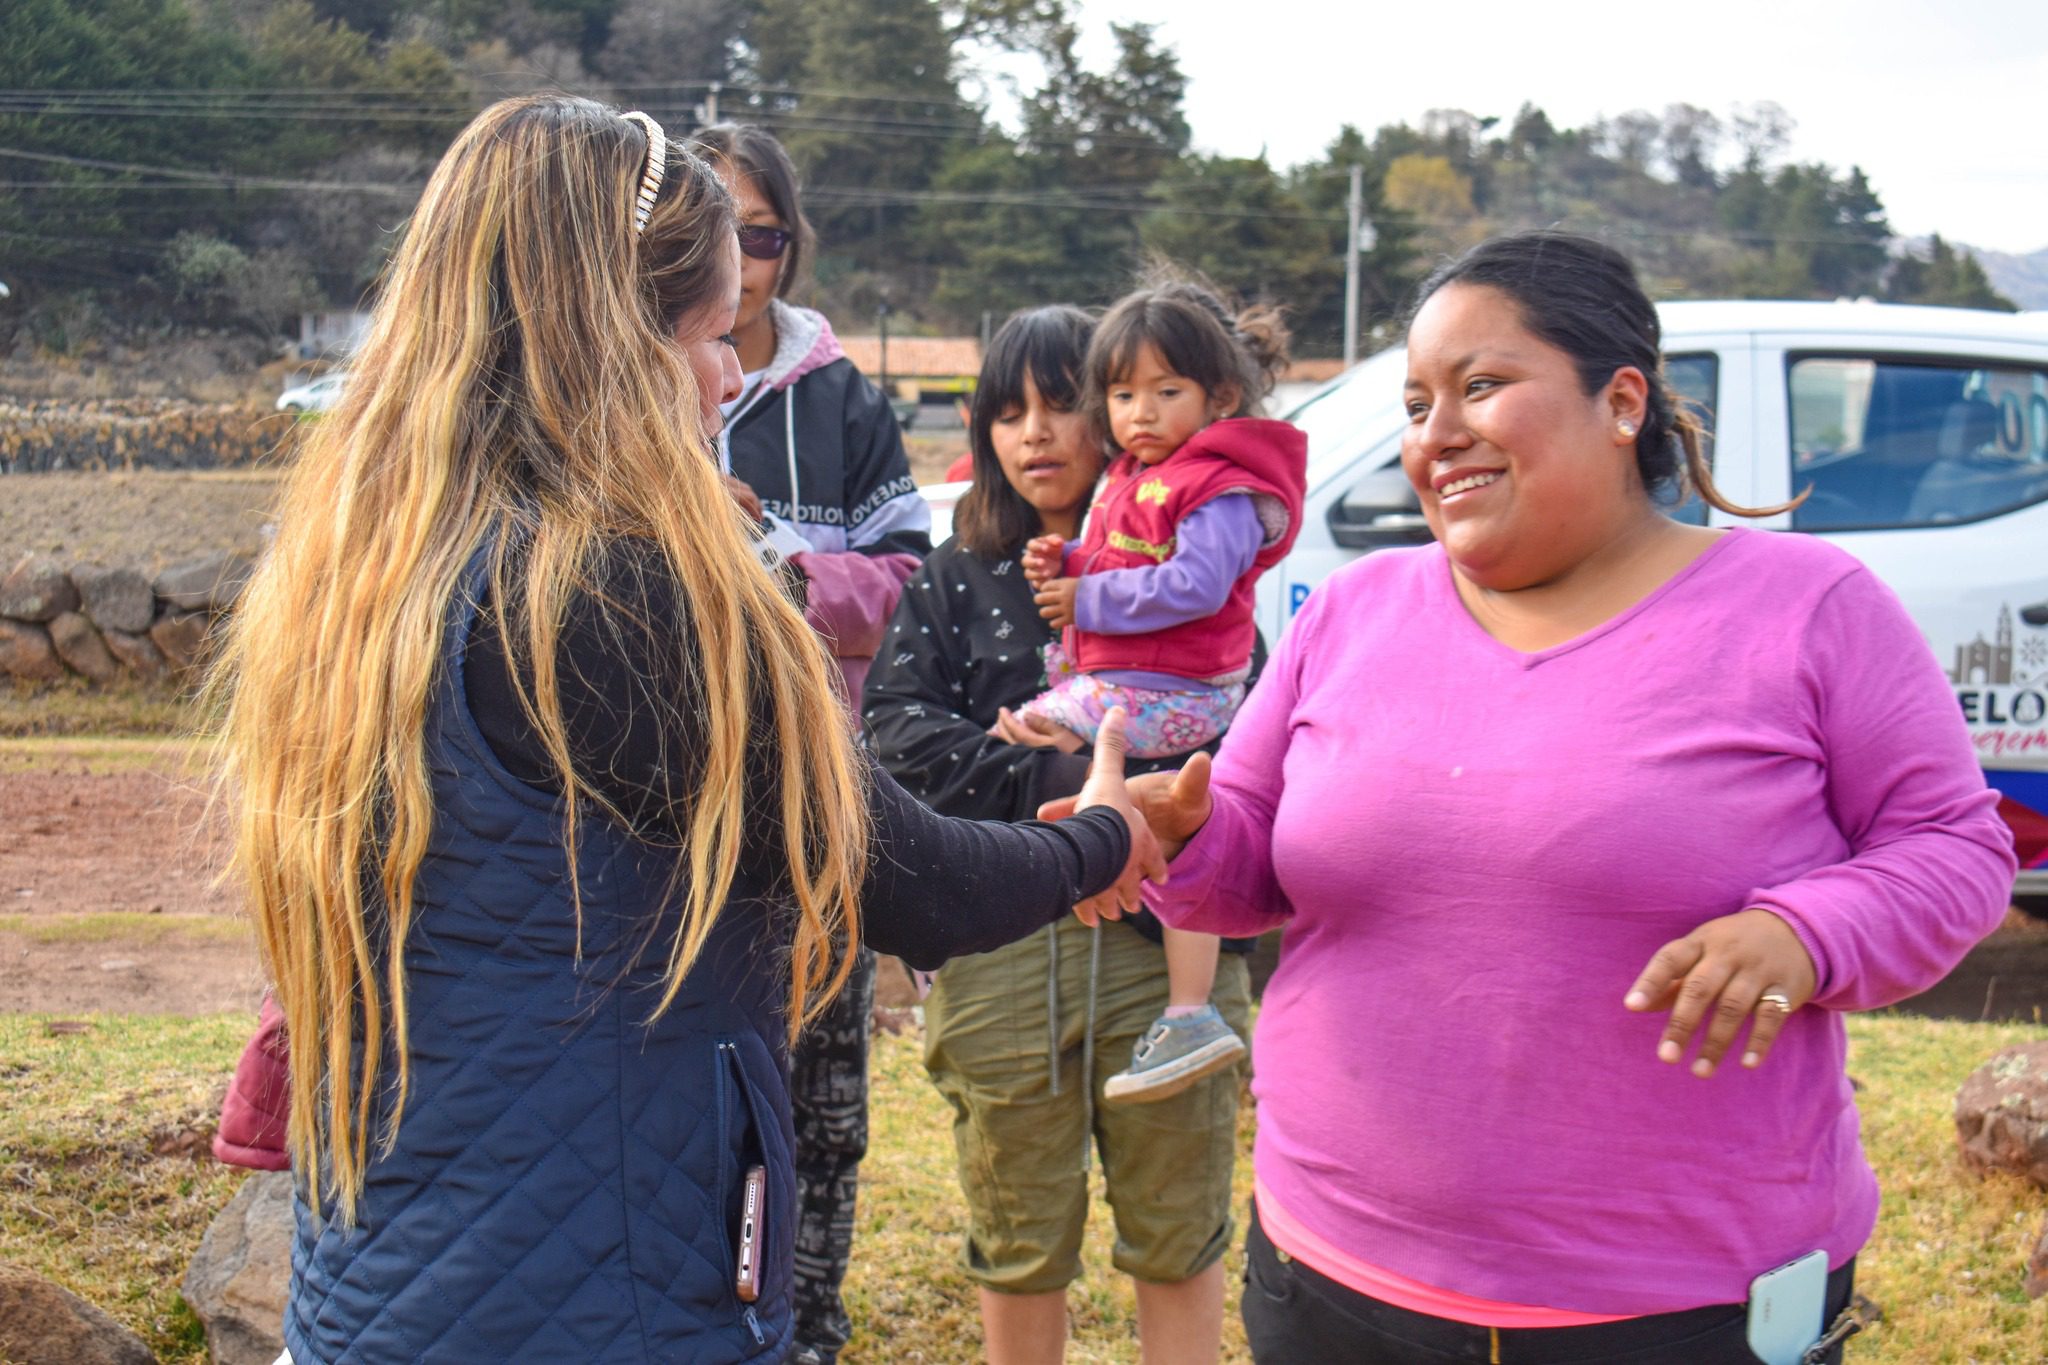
1777 1000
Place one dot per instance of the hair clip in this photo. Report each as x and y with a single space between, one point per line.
657 167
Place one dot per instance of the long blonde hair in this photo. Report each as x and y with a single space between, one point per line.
520 386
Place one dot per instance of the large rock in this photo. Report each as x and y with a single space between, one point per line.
26 652
208 584
36 589
181 635
137 653
2002 1113
81 647
116 599
239 1276
46 1324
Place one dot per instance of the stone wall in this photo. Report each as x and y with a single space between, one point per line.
110 624
147 433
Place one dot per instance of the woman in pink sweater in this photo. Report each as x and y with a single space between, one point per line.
1585 827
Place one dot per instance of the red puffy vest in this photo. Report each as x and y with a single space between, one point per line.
1132 525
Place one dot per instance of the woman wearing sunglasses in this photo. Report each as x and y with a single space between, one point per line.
812 449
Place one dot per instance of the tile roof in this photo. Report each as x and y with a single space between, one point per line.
915 357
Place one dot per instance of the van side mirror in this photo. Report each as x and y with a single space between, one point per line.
1380 511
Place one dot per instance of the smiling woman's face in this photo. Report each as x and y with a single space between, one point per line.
1048 455
1521 473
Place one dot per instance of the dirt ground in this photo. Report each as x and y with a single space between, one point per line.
147 518
107 899
107 894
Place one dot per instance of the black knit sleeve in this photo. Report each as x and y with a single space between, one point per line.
939 887
630 695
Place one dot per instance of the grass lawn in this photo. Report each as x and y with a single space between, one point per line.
75 707
100 1190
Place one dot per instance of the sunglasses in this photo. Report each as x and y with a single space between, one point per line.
764 243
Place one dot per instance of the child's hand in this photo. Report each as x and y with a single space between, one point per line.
1043 559
1035 732
1056 601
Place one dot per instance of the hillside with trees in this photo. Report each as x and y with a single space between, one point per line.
229 164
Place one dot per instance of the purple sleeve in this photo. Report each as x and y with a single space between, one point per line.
1213 545
1930 865
1223 881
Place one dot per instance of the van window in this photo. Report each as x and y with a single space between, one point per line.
1914 443
1697 378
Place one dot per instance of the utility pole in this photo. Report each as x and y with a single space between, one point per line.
882 311
1356 218
707 112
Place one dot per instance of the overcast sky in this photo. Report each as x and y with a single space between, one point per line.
1944 105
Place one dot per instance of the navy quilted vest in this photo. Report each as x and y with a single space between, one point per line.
566 1181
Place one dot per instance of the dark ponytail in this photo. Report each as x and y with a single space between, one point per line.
1582 297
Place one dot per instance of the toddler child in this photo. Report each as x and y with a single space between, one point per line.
1155 602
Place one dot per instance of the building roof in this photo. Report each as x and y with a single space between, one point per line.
915 357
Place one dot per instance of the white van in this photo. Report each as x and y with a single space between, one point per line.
1923 433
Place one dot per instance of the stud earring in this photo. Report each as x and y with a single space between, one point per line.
1628 429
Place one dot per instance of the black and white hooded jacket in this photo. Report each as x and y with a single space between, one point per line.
820 447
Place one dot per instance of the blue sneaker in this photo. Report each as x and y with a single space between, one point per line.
1173 1055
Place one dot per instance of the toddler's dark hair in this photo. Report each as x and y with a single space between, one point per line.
1198 333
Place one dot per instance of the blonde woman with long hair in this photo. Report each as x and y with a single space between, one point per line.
544 807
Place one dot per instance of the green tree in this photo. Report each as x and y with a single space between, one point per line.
1945 277
1124 126
867 119
1239 223
78 221
1054 215
1000 241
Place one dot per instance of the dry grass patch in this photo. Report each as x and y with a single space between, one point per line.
74 708
106 1182
126 927
99 1190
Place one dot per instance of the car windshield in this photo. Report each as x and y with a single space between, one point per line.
1354 411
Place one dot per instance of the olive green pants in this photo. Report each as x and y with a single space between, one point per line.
1004 1042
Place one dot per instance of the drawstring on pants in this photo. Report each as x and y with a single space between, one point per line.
1052 1030
1052 1003
1088 1049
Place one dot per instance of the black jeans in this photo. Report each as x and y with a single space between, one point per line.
1294 1316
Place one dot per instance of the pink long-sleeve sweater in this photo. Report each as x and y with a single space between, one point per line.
1473 852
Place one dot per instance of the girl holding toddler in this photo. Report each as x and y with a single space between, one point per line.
1155 601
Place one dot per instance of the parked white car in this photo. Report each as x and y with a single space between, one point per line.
1923 433
315 395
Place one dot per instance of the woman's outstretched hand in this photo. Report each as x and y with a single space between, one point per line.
1106 787
1728 972
1174 806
